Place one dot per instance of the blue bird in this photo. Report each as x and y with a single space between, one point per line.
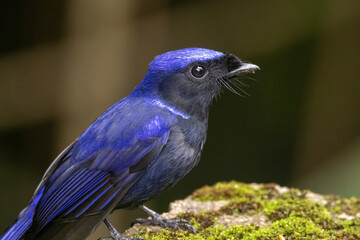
138 148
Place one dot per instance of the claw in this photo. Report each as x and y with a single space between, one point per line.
156 219
123 238
115 235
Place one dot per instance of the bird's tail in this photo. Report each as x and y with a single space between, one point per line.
23 222
21 225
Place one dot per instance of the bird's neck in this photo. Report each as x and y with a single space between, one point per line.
166 96
194 109
160 103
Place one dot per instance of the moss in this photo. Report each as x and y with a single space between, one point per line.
241 207
350 206
284 208
228 190
291 228
288 212
212 233
201 220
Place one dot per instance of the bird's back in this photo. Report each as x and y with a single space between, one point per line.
88 179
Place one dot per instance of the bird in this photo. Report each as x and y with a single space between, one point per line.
138 148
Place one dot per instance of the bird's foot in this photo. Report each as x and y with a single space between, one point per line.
115 235
167 223
122 238
156 219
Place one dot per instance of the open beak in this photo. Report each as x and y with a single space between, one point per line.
244 68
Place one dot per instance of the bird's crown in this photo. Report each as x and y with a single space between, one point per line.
179 59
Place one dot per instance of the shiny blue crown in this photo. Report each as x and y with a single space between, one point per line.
179 59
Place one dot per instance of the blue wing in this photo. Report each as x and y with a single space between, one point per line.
94 172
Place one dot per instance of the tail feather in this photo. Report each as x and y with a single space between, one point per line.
23 222
19 228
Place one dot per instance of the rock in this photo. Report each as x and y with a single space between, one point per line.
234 210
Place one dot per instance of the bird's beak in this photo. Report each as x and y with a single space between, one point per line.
244 68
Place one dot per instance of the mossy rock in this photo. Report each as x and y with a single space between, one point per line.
234 210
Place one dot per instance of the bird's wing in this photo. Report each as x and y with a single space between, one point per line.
54 165
74 188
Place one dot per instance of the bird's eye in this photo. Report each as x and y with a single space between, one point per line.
198 71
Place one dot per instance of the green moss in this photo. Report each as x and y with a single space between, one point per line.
292 227
202 220
241 206
289 212
284 208
212 233
228 190
350 206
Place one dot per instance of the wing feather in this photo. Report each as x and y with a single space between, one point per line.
89 178
92 186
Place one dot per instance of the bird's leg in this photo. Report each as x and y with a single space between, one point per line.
115 234
156 219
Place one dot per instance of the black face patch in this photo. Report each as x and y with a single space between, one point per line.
232 62
220 67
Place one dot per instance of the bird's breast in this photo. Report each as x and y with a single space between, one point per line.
177 158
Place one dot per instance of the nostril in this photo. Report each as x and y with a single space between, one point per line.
233 62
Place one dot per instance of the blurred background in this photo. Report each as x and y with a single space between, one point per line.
62 63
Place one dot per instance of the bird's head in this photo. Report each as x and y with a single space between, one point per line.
190 78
